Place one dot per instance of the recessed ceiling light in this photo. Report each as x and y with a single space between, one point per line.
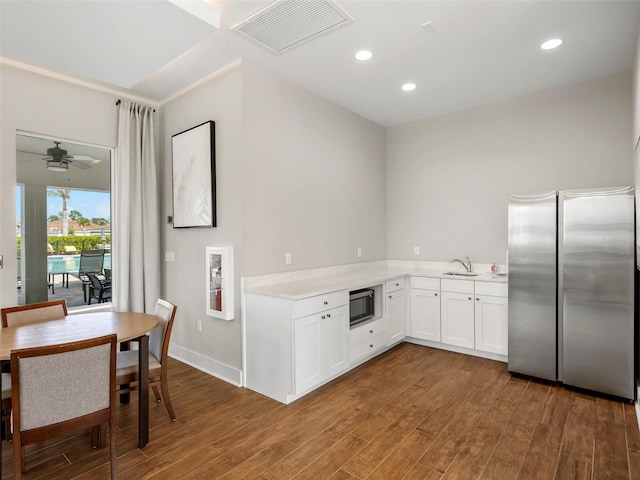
364 55
551 44
429 27
407 87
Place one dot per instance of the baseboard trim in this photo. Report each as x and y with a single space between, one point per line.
453 348
206 364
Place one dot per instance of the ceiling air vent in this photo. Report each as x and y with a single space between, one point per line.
285 24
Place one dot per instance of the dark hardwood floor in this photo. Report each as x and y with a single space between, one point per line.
412 413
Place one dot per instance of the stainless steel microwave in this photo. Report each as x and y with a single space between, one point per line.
361 305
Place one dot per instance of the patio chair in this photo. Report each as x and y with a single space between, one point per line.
127 361
91 261
70 250
100 287
63 389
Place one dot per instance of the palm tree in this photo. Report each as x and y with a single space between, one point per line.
63 193
83 222
75 215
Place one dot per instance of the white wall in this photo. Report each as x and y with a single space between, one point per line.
448 177
315 182
38 104
217 348
294 173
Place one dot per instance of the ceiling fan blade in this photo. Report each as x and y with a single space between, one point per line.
81 165
84 158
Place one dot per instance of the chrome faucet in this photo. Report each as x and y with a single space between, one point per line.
467 266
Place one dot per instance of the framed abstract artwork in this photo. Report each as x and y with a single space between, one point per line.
194 176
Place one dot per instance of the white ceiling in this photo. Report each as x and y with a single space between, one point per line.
32 169
480 51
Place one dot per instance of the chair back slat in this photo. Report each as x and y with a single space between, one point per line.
34 312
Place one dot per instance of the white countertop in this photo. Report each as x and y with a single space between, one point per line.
301 288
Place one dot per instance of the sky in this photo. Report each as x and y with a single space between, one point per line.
89 204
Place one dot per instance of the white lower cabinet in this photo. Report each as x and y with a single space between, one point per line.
457 319
367 339
396 315
295 346
491 315
457 314
395 308
425 308
425 314
320 347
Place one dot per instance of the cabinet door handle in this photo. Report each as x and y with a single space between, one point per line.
469 298
323 317
370 331
397 284
435 294
328 315
477 299
325 302
370 346
390 296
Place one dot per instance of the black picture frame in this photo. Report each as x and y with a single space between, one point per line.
194 176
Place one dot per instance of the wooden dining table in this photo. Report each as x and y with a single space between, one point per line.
126 325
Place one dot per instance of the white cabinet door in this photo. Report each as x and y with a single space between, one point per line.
308 369
457 319
396 315
491 324
425 314
320 347
335 336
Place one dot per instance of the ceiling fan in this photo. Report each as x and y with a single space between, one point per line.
58 159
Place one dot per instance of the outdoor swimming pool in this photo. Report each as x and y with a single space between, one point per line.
70 263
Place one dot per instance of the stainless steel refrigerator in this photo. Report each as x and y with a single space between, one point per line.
571 288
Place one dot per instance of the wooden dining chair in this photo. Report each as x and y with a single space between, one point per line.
127 361
34 312
6 405
23 314
62 389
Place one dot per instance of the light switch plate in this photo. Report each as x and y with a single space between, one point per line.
169 257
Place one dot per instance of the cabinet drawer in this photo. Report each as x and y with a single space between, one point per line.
493 289
458 286
394 284
366 331
362 349
309 306
425 283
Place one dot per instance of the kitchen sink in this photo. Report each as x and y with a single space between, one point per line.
462 274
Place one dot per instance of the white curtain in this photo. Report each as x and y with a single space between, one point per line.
136 267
